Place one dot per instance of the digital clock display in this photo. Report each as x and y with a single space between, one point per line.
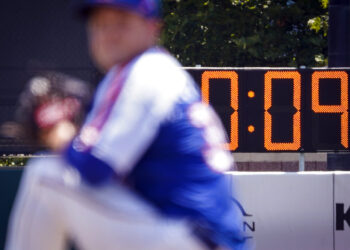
279 110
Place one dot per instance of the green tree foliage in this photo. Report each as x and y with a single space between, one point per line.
13 160
247 32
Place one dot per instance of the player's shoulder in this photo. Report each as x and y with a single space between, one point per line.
158 57
157 66
156 77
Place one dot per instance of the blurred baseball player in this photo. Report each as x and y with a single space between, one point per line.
146 169
51 110
148 127
53 207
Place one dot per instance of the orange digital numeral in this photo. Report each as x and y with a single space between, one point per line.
339 109
206 76
295 144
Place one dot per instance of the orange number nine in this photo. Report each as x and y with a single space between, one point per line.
341 109
206 76
295 144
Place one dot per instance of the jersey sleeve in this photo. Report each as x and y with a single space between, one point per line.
151 89
147 99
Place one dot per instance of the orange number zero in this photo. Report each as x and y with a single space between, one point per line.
295 144
233 77
344 98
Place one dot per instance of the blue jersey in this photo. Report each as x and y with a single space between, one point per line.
149 128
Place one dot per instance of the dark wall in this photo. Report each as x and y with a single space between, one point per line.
339 33
38 35
9 180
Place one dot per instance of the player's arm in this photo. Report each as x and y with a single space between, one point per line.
92 169
124 137
129 130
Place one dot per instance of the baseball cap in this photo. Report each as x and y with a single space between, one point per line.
145 8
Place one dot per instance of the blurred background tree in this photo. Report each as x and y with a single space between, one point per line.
237 33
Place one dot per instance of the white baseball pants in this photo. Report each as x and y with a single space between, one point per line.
52 205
